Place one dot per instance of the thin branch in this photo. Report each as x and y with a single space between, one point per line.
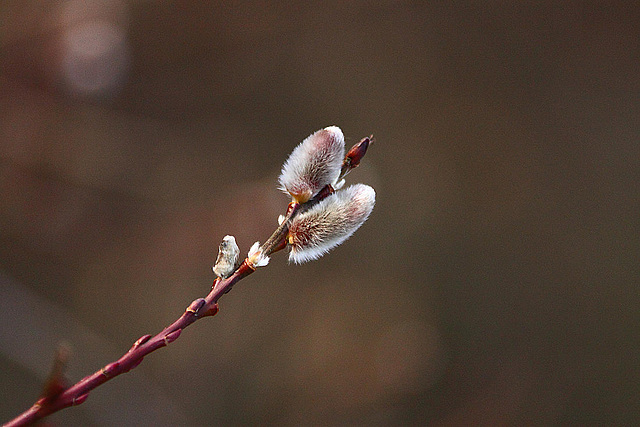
78 393
56 396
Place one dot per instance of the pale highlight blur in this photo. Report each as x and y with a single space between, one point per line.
94 47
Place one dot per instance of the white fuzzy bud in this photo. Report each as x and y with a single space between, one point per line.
313 164
329 223
255 257
228 257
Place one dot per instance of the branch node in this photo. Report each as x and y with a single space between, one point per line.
108 370
169 338
210 311
79 400
195 306
134 364
143 339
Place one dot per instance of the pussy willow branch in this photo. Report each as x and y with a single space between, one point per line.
65 397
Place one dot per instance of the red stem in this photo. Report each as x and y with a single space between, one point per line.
78 393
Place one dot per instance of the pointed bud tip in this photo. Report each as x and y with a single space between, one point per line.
171 337
355 154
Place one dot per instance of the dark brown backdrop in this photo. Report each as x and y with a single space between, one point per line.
496 281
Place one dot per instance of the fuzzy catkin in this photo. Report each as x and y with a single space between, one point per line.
329 223
313 164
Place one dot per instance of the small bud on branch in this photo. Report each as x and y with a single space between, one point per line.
228 257
354 155
257 257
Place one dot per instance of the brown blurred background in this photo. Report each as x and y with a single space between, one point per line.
496 282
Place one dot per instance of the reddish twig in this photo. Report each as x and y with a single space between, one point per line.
78 393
